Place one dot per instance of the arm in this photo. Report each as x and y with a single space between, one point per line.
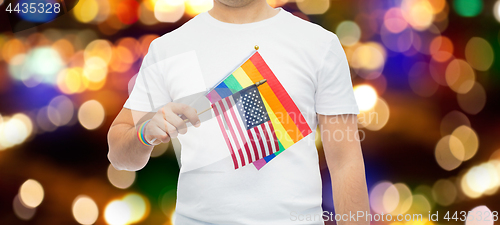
126 152
345 163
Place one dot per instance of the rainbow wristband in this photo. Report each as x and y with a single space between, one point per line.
140 134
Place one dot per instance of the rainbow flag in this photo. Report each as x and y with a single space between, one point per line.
285 118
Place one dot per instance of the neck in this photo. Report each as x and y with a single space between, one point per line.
254 11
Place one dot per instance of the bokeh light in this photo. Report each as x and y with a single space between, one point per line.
65 49
467 190
122 179
370 56
72 80
479 54
132 45
483 179
104 11
366 96
438 5
15 130
146 16
43 120
86 10
420 205
377 196
426 191
117 212
313 7
438 70
483 214
31 193
390 199
493 168
348 32
122 59
405 199
419 14
169 11
469 141
11 48
127 11
138 205
39 65
496 10
95 69
460 76
85 210
394 20
449 152
441 48
468 8
91 114
60 110
376 117
99 48
195 7
22 212
444 192
17 70
441 19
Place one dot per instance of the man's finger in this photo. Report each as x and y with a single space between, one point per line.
189 112
171 130
161 135
178 123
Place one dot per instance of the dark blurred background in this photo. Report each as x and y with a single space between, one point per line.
425 74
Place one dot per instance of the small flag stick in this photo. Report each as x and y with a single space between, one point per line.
261 82
258 83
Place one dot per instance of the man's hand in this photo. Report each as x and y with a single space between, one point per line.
167 123
126 152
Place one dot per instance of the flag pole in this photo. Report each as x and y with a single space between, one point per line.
257 84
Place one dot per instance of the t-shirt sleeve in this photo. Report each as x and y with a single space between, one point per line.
149 92
334 93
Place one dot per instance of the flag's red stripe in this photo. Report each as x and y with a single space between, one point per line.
268 138
259 137
250 158
280 92
223 130
242 135
233 134
250 135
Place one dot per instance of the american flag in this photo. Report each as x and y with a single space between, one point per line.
246 126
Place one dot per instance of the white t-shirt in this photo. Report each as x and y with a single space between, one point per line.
310 64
